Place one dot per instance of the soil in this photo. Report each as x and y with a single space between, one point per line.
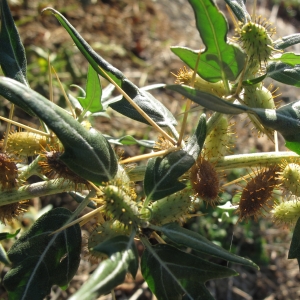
135 36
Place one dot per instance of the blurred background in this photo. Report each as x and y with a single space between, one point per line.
135 37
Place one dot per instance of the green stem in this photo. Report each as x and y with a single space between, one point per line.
234 161
254 160
38 189
32 169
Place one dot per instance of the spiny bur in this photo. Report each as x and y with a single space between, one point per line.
8 172
25 143
290 177
257 194
170 209
286 213
185 76
255 38
205 181
218 142
53 167
120 206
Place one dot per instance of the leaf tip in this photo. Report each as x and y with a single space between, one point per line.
52 10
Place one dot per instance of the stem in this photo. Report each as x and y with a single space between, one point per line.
146 203
276 141
158 238
234 161
38 189
174 131
254 9
50 80
254 159
148 155
84 218
24 127
32 169
65 95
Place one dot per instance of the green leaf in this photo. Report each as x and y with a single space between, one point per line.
3 256
284 73
254 81
288 58
207 100
294 146
294 251
12 54
152 107
287 41
123 257
195 143
7 235
92 100
171 273
191 239
129 140
285 119
119 244
87 153
162 173
161 176
239 9
41 260
220 60
78 197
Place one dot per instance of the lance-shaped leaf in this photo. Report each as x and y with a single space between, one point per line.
286 119
87 153
7 235
12 54
288 58
92 99
41 260
152 107
220 60
123 258
294 251
256 80
284 73
194 240
208 101
287 41
172 274
162 173
129 140
239 9
79 198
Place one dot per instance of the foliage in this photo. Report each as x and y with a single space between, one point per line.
69 155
